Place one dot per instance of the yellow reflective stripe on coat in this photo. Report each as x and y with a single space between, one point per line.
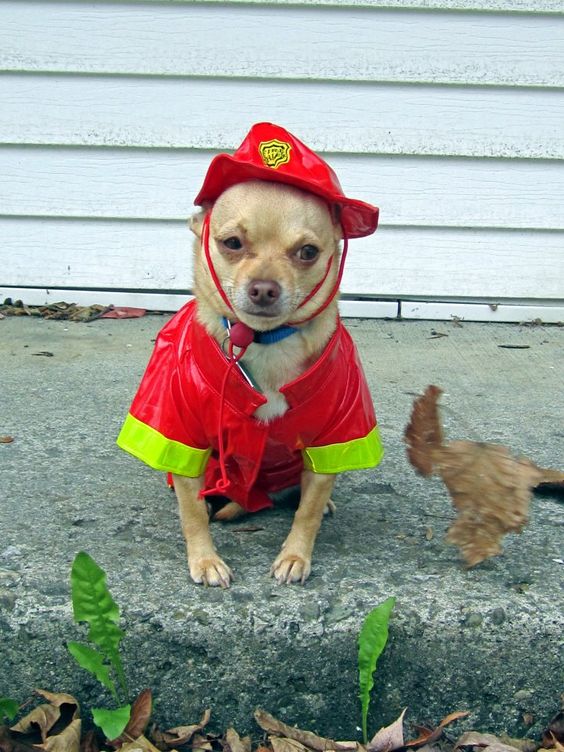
357 454
160 453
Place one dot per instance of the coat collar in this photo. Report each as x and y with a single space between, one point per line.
240 395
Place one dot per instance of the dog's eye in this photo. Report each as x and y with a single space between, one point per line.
308 253
234 244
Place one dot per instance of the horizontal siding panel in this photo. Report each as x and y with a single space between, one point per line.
282 42
214 114
492 6
156 184
522 313
395 262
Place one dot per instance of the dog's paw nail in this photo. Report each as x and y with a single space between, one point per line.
211 572
289 568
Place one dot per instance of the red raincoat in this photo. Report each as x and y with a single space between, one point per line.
330 426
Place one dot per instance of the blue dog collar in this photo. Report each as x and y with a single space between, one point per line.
270 337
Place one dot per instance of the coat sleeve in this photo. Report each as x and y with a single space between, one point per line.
163 428
350 439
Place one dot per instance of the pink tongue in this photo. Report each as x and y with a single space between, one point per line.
241 335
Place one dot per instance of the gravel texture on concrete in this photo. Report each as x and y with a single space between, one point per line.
488 640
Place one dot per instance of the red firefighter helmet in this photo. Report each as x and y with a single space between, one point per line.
270 152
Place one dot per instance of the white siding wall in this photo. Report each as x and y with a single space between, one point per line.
449 115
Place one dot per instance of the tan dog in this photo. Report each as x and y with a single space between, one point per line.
270 244
267 268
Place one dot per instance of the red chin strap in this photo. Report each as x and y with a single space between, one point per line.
318 286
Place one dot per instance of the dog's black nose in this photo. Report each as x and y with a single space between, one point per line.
263 292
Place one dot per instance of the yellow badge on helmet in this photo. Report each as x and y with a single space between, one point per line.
274 153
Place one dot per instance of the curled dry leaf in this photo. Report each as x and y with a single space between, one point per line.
556 745
201 743
281 744
555 731
479 742
45 716
275 727
491 490
232 742
424 432
141 710
89 742
6 439
428 736
9 744
141 744
388 738
68 740
489 487
523 745
183 734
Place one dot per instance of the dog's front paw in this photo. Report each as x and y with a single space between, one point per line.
288 568
210 571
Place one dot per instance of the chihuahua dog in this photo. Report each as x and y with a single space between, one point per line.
270 244
255 386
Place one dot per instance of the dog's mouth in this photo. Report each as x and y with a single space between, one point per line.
262 320
264 314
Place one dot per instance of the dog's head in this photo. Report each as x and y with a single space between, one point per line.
271 245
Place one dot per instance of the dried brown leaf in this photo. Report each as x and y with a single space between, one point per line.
141 710
6 439
557 746
428 736
182 734
523 745
248 529
282 744
555 731
59 699
424 432
551 477
389 737
9 744
141 744
232 742
201 743
273 726
482 741
491 490
89 742
46 715
41 718
68 740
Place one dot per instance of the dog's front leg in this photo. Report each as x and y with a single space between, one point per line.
205 565
293 563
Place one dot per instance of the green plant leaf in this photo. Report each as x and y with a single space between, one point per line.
90 659
92 602
8 708
371 642
112 722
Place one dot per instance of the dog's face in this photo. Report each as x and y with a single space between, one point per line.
270 245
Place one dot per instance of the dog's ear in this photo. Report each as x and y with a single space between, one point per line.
196 221
337 226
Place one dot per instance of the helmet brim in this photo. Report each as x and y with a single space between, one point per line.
357 217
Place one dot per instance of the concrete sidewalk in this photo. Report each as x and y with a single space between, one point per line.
488 640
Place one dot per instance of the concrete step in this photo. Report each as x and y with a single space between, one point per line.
487 640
